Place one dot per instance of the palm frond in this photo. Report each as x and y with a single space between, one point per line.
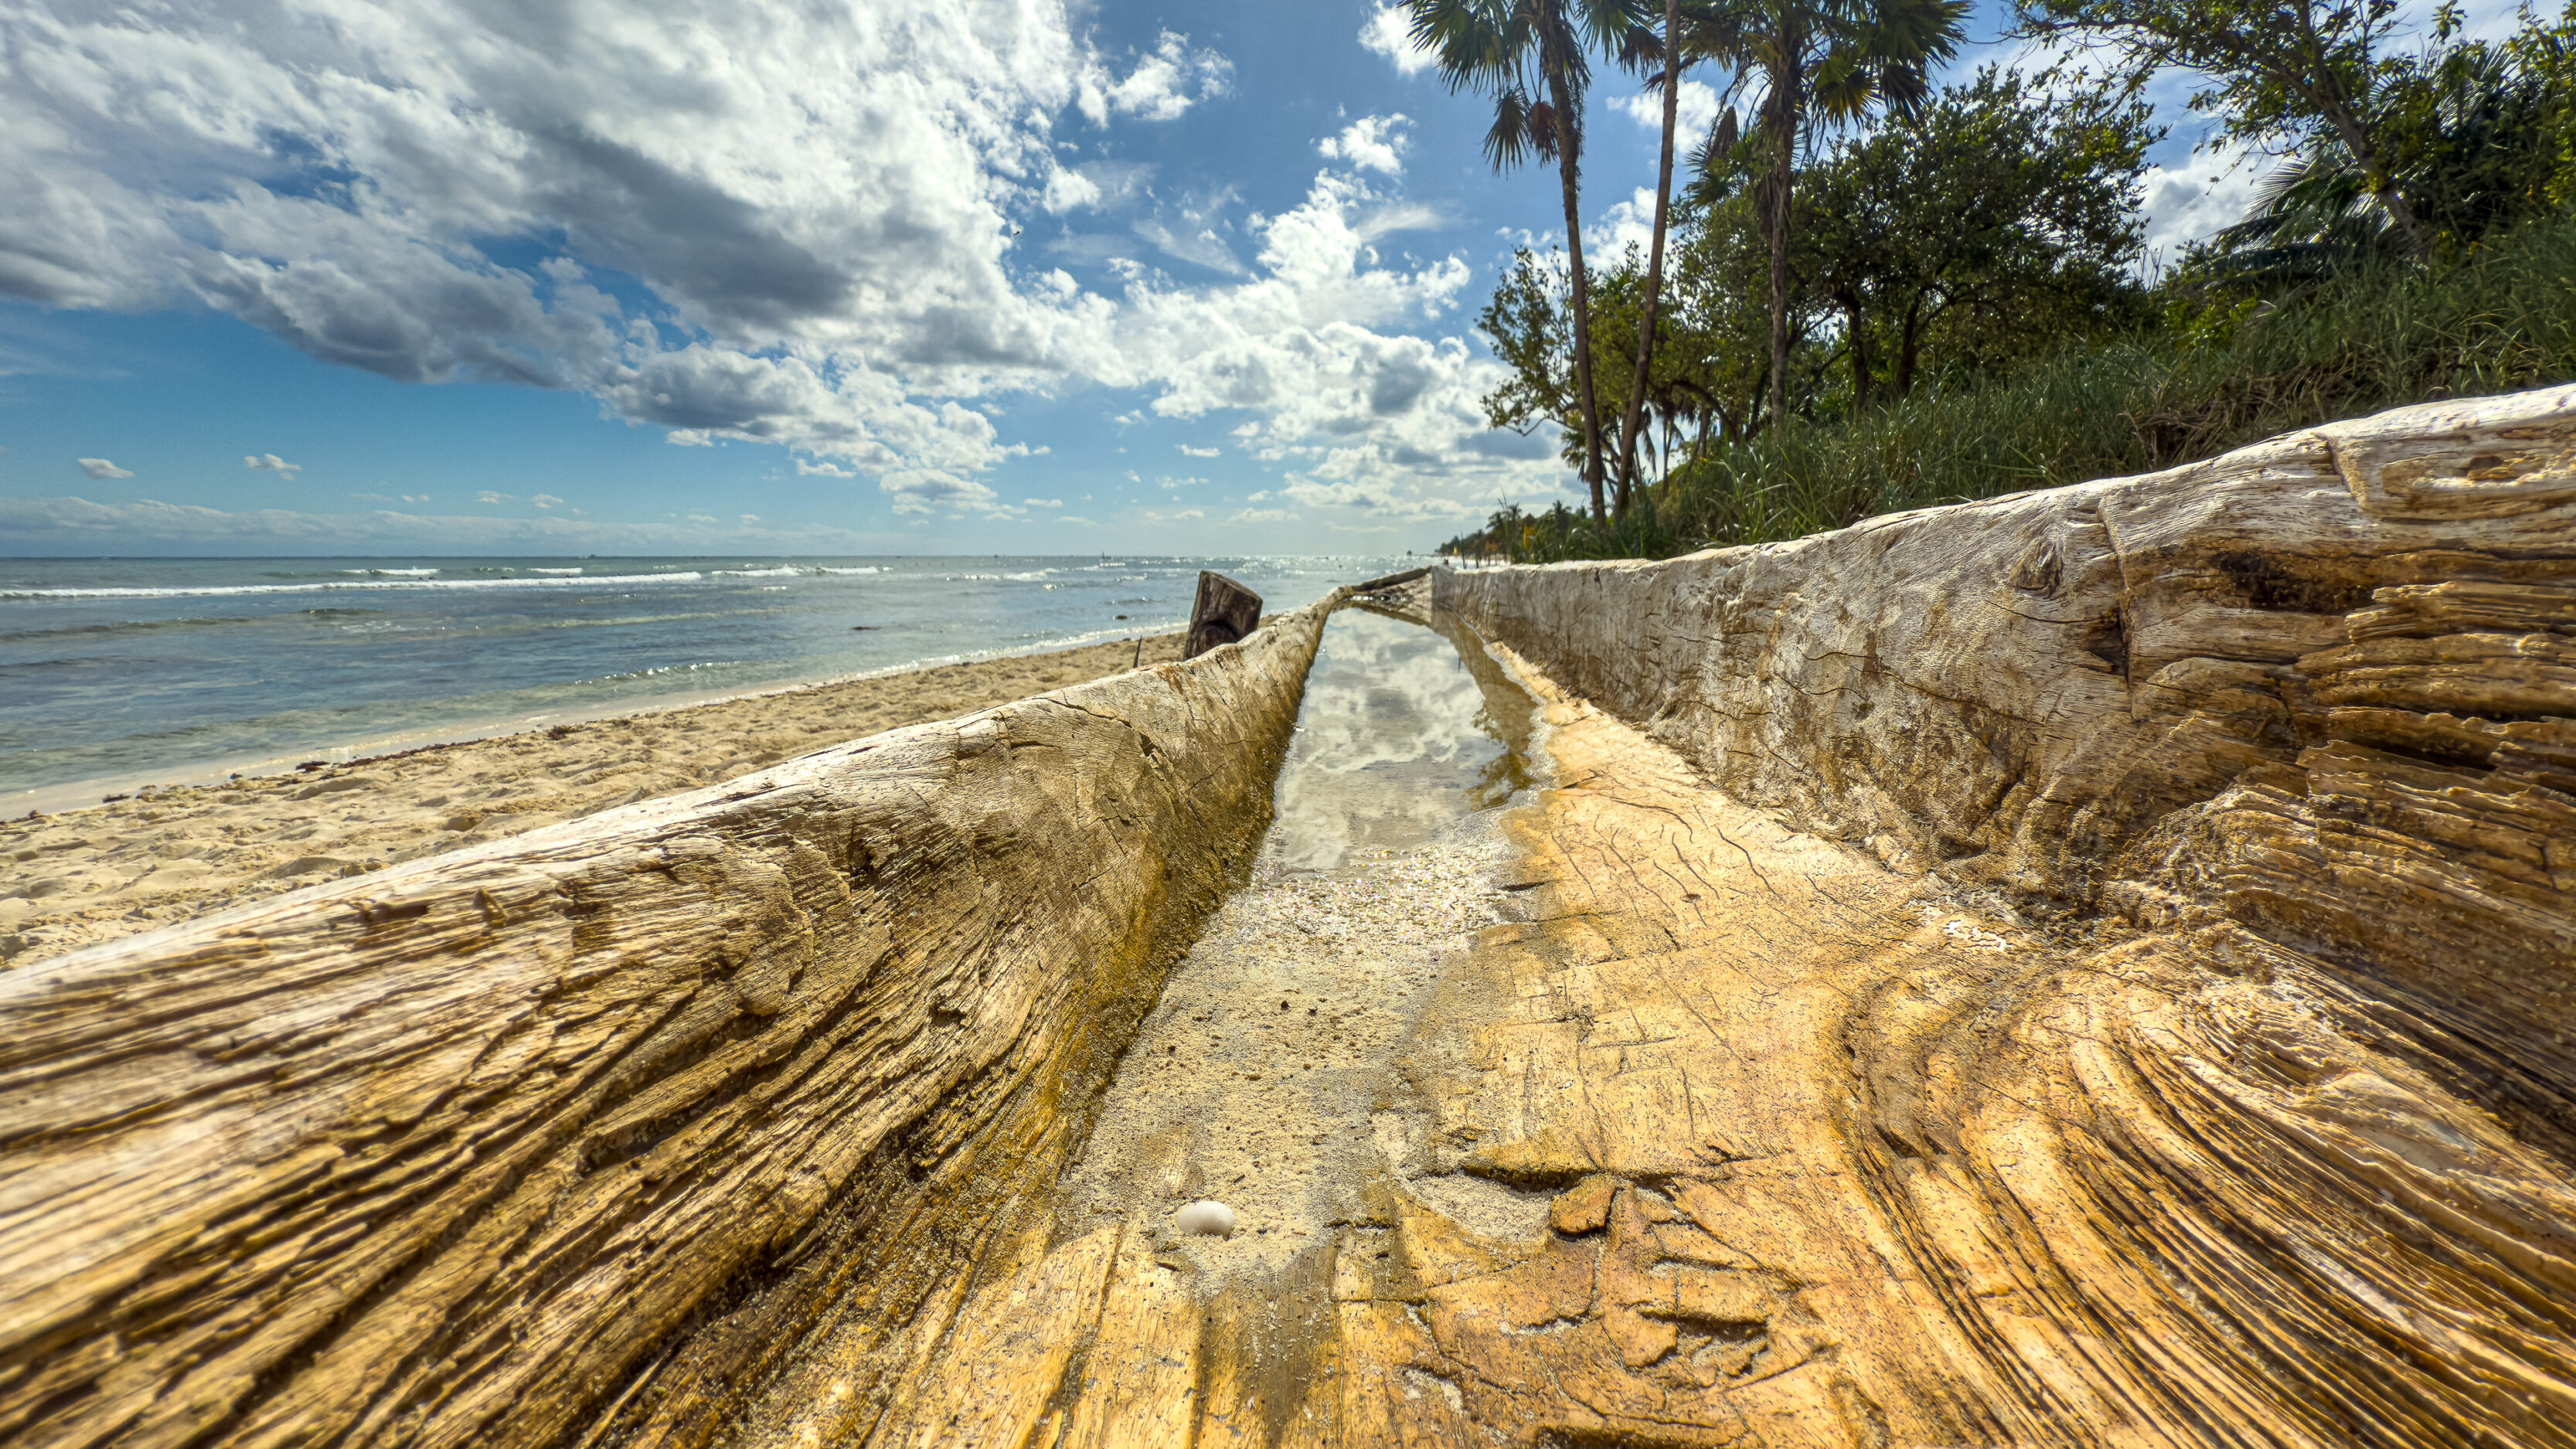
1718 163
1475 44
1509 141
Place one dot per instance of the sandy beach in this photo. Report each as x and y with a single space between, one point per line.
83 876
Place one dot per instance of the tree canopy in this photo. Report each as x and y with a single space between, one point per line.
1942 242
1902 289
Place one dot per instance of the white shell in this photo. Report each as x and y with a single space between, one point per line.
1206 1216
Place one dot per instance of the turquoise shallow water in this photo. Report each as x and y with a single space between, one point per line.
118 668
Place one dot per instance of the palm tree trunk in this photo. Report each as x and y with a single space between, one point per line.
1655 258
1775 227
1569 171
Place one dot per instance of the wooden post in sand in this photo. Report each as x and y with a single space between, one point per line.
1225 612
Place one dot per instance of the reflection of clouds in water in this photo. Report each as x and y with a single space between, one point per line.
1394 744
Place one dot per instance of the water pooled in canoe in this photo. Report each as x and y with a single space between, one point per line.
1398 741
1261 1080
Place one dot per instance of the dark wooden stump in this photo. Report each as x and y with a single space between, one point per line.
1225 611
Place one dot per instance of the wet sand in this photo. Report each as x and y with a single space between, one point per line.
84 876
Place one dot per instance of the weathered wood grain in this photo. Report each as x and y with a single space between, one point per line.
2086 968
2200 693
2089 967
1223 612
577 1135
2258 1123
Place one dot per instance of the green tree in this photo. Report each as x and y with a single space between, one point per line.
1528 321
2545 53
1534 58
2279 72
1710 360
1720 329
2001 217
1676 396
2475 139
1820 64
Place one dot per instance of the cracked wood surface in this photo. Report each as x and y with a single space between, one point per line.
2088 967
85 876
2085 968
2273 1144
572 1137
1833 1157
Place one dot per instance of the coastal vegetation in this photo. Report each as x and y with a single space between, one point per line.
1956 299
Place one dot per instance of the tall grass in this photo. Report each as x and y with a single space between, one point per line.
2503 319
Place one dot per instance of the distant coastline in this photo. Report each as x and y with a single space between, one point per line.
96 871
121 674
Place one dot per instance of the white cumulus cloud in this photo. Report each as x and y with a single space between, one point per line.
1628 223
2191 199
271 463
1069 191
1389 32
1693 115
921 490
1199 452
101 468
777 225
1372 143
1363 416
1164 84
788 189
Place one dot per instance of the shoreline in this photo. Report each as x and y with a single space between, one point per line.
113 869
93 791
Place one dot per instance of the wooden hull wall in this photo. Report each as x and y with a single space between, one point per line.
2276 1142
574 1137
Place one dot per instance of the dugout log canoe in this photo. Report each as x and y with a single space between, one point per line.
2089 967
575 1135
2086 967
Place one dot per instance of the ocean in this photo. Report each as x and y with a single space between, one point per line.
120 672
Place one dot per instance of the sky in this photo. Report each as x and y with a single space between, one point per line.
678 276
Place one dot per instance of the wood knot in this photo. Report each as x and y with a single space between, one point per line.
373 913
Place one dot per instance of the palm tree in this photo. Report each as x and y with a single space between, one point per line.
1670 78
1533 57
2279 69
1828 62
2468 146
